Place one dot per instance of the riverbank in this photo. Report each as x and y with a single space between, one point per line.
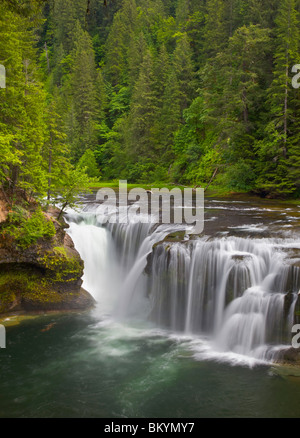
40 269
213 191
11 319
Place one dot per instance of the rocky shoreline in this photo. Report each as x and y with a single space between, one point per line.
45 276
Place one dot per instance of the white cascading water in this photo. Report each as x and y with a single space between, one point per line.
95 246
115 257
232 290
235 291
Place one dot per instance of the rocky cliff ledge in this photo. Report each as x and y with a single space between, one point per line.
43 276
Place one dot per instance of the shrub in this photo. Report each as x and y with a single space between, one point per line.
26 229
241 176
88 164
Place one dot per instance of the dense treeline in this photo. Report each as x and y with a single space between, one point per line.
34 150
151 90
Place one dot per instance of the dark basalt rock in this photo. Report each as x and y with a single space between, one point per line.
289 355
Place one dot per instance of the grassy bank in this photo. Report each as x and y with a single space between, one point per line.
213 190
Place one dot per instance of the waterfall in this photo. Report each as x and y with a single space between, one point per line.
231 290
95 248
115 257
234 290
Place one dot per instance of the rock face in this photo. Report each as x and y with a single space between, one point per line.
45 276
290 355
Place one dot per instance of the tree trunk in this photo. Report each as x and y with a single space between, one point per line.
62 210
5 196
47 57
49 168
285 120
212 178
285 111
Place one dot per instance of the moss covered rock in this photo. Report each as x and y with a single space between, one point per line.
43 276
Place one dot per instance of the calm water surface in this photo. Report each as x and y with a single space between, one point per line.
83 367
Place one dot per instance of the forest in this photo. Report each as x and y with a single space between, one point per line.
154 305
186 92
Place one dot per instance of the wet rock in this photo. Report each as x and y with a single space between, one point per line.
289 355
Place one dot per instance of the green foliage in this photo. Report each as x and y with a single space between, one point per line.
60 267
119 103
27 229
22 124
149 91
73 183
88 164
241 176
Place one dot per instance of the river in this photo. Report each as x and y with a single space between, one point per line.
184 327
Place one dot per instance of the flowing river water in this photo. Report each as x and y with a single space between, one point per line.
184 327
